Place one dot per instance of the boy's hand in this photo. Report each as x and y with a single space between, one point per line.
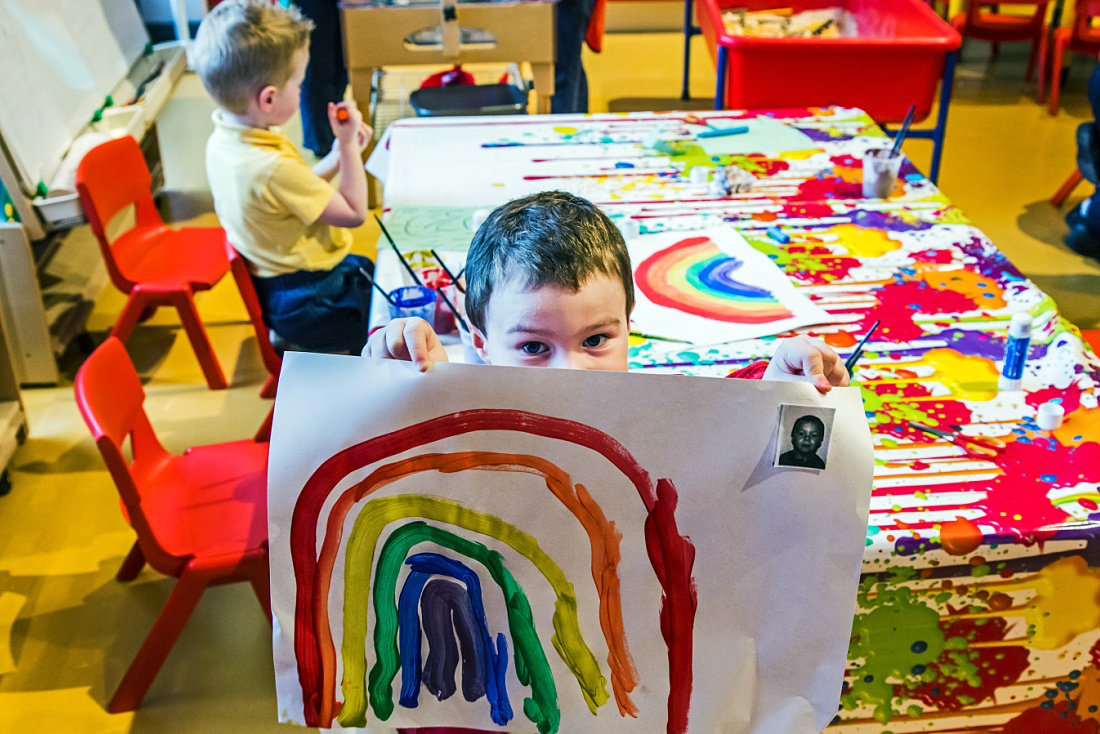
411 340
802 359
347 131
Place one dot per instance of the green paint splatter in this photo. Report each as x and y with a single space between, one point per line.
899 633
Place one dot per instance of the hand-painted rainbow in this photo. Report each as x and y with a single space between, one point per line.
696 277
418 519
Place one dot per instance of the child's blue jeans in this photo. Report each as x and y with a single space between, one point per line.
320 310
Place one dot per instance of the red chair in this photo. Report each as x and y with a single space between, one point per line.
1080 38
271 359
1000 27
1092 336
1067 188
152 263
201 517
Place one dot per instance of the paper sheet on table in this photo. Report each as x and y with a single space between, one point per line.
710 286
404 508
765 135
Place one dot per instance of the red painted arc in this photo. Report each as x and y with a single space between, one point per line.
671 554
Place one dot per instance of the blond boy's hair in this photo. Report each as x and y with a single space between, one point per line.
245 45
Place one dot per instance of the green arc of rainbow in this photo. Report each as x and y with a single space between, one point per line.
369 525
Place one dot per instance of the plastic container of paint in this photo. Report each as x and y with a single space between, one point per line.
413 301
1019 338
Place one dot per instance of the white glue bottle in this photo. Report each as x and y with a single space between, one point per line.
1019 338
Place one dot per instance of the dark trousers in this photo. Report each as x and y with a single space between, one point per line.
1093 215
570 82
326 78
320 310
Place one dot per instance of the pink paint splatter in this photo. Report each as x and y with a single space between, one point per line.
898 303
1070 397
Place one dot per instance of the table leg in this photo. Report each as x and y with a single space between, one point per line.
720 90
941 119
689 31
544 87
362 81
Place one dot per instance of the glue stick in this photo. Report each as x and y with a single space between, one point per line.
1019 338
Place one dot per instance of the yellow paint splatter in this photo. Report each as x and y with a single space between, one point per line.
966 376
10 604
1079 427
1066 603
863 242
566 130
980 289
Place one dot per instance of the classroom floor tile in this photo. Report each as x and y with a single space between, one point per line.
68 630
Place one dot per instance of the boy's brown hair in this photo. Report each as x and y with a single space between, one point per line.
245 45
547 238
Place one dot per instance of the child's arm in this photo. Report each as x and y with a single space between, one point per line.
411 340
348 207
802 359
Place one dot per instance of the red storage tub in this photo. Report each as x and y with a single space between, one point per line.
896 59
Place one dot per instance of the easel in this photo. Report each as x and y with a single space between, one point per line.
375 36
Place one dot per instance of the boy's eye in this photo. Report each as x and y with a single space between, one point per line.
532 348
596 340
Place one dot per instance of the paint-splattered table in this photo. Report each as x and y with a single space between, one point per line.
980 606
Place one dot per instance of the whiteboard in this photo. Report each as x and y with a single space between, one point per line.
59 59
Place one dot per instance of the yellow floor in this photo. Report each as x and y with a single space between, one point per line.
68 630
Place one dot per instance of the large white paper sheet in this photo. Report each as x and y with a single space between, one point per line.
710 286
622 537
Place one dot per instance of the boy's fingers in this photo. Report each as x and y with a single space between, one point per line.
416 340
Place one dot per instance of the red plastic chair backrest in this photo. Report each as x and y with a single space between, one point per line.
111 177
1083 13
111 400
974 10
238 265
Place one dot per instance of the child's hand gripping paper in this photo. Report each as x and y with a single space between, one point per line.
802 359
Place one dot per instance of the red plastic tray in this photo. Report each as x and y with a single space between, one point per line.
896 60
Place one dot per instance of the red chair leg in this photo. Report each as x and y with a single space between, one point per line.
177 610
1067 188
200 342
1056 76
264 434
133 564
1044 69
268 390
131 314
261 584
1031 59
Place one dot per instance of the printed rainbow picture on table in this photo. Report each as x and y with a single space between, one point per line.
443 593
696 277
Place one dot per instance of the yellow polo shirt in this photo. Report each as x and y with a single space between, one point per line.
268 200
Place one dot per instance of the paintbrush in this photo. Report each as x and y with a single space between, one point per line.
447 301
377 287
412 273
851 362
900 137
447 270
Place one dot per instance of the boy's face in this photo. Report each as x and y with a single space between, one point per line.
806 437
552 326
283 101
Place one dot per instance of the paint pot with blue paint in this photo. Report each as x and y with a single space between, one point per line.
413 301
1019 339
